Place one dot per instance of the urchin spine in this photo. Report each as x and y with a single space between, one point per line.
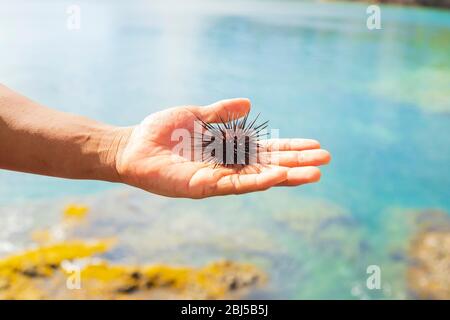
232 142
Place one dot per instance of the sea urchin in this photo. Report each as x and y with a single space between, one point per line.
233 142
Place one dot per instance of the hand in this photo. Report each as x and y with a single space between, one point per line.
145 157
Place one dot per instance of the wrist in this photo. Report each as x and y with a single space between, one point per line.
112 144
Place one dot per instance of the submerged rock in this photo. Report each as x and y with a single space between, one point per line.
324 226
42 273
61 267
429 272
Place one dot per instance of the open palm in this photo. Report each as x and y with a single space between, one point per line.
146 158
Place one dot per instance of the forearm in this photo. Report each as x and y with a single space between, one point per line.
40 140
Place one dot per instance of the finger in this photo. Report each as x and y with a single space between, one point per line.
315 157
244 183
301 175
289 144
221 110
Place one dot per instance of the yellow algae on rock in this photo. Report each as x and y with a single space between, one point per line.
214 281
18 272
40 260
429 275
76 211
39 274
46 272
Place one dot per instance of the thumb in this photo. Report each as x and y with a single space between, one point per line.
222 109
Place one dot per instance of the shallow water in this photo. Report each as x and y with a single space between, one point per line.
377 100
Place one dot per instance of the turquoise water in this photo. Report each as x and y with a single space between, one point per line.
377 100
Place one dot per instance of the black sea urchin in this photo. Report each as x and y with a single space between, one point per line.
233 142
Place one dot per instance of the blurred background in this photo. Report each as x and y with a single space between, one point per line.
378 100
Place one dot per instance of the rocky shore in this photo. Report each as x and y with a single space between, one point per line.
43 273
75 269
429 272
127 244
